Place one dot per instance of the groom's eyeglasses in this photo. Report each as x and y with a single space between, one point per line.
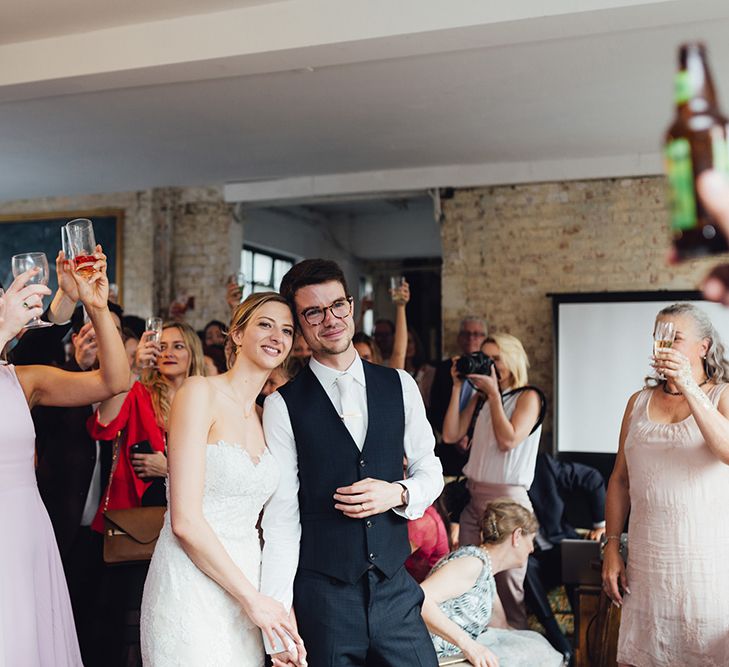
341 308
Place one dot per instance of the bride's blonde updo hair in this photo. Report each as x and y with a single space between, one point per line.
502 517
242 316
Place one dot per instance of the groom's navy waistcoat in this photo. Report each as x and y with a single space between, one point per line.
328 458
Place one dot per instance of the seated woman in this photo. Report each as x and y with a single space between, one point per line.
460 595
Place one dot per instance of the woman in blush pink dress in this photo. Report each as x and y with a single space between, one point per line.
36 621
672 473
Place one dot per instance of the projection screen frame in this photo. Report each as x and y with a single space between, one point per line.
597 459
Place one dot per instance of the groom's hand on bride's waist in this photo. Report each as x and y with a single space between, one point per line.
368 497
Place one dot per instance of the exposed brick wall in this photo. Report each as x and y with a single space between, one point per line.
505 248
175 241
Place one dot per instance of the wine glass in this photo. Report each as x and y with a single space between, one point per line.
663 337
81 245
25 262
153 325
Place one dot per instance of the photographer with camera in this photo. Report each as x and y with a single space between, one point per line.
505 416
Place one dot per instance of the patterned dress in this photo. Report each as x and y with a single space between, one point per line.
472 610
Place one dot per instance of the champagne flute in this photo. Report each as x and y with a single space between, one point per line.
663 337
81 245
25 262
153 325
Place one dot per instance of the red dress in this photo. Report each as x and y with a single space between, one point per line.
428 534
138 419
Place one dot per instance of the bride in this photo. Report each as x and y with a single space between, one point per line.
201 602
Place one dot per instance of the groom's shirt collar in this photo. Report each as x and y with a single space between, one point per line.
328 376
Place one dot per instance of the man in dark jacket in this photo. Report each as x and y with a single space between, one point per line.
555 482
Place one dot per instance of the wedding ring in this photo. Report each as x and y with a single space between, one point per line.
26 306
361 507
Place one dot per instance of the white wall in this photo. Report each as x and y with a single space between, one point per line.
395 234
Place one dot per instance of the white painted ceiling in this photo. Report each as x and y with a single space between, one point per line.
134 95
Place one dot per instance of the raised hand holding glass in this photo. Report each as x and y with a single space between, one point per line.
81 245
25 262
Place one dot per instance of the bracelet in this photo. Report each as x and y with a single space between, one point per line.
612 537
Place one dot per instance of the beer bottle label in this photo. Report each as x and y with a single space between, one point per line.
681 183
682 89
720 151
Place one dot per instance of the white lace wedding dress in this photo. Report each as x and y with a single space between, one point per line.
187 618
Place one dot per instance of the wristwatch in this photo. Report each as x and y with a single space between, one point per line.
405 496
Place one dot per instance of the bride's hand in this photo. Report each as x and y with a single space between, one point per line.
273 619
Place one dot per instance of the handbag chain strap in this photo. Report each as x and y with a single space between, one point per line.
114 462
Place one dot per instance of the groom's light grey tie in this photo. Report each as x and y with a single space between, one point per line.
351 414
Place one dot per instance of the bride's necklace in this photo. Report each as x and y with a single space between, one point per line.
666 390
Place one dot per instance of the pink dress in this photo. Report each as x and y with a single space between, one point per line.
36 622
429 534
678 546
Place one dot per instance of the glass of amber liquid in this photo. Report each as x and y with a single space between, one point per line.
81 245
663 337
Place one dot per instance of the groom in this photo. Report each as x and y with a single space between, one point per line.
336 527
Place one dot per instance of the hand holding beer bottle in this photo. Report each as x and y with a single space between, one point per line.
695 143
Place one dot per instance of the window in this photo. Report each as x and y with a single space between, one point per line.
263 270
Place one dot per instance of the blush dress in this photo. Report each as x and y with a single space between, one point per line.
36 621
677 612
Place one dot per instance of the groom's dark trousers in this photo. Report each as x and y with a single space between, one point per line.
355 602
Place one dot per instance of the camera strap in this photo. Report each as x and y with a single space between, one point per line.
542 400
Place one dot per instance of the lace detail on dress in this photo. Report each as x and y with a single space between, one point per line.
187 618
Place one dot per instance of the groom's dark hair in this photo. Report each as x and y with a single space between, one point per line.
310 272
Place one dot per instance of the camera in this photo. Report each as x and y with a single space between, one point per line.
477 363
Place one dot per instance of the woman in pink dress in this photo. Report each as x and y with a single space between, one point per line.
36 621
672 473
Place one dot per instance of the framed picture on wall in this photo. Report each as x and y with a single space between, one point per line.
41 232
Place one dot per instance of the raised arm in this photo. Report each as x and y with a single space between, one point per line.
711 420
190 424
617 505
400 343
44 385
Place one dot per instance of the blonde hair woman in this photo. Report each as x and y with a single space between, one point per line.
460 594
142 414
503 449
201 601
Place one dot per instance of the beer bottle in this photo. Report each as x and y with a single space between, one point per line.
696 141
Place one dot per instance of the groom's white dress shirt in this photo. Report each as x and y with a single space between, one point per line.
281 527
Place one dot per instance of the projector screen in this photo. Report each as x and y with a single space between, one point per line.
603 346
